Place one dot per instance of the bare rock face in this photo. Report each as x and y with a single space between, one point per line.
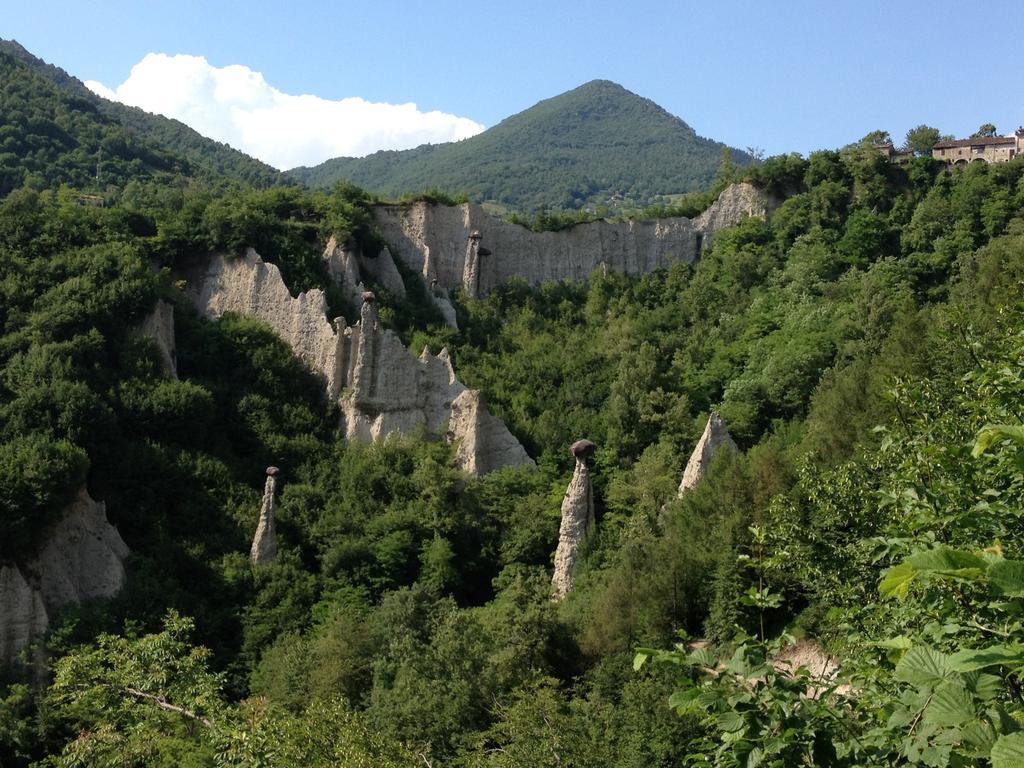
388 390
577 520
464 246
736 202
444 305
80 560
483 442
264 543
715 438
381 269
342 262
347 267
23 616
158 325
378 385
471 266
822 667
249 286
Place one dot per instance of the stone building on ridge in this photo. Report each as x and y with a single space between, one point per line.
986 149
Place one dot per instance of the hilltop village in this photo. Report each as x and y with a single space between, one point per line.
961 152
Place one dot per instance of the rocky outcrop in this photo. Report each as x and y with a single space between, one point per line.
736 202
822 668
464 246
350 269
158 326
80 560
444 305
387 389
715 438
483 442
23 616
264 543
381 269
380 387
342 262
577 519
249 286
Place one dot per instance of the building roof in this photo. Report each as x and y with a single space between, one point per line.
987 141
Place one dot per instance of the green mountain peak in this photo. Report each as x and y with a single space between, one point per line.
581 147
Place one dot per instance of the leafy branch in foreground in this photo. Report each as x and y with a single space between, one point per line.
143 700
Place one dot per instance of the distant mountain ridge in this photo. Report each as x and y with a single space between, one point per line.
591 144
202 156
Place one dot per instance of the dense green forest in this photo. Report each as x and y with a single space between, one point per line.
67 132
863 346
596 145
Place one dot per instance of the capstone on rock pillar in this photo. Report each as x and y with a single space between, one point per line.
264 543
471 267
577 519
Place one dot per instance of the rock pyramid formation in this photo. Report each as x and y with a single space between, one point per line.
80 560
577 519
483 442
715 438
465 246
378 385
346 265
158 326
264 543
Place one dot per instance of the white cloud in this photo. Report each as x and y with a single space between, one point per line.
234 104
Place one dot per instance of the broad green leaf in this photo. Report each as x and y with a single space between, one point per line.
923 666
702 657
896 582
951 705
639 660
981 658
1007 576
900 643
985 686
1008 751
685 700
979 735
947 561
990 433
730 721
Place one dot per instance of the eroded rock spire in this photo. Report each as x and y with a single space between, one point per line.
577 519
715 437
471 267
264 543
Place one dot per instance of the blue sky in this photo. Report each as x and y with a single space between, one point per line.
793 76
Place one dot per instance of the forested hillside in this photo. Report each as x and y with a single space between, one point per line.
584 147
100 135
856 345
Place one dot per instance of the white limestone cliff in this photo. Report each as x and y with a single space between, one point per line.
264 542
577 520
378 385
80 559
463 246
715 438
158 326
